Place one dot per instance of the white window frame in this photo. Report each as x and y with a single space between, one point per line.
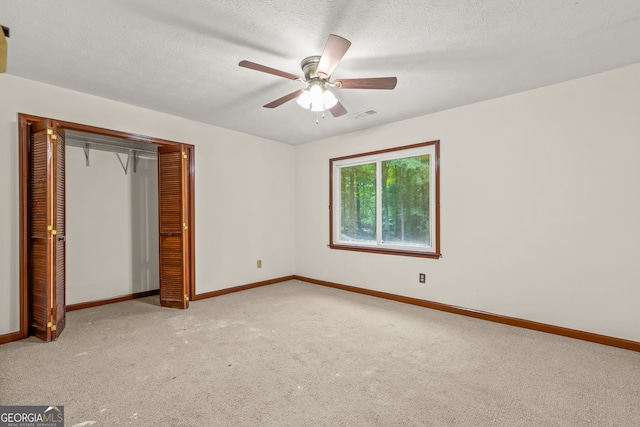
427 148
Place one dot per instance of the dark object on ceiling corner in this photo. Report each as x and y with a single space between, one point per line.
3 48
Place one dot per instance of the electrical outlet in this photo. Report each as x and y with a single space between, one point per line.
259 263
422 278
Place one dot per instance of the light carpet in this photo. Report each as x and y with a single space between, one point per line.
297 354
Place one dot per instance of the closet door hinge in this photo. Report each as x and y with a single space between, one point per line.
51 325
184 224
186 297
184 155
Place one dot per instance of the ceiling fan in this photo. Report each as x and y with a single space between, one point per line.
317 73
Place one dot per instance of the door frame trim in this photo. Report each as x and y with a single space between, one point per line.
24 120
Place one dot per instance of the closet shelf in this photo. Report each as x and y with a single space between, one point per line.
132 149
111 144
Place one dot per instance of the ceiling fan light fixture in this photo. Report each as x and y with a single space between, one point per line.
329 99
316 106
317 98
315 91
304 100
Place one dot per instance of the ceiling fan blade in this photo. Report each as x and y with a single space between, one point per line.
278 102
338 110
368 83
334 50
265 69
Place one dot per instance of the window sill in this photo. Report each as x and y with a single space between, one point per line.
401 252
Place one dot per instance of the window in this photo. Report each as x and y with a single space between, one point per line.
387 201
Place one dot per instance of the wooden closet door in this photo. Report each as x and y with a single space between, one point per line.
173 219
46 230
60 237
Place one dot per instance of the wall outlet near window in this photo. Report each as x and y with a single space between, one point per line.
422 278
259 263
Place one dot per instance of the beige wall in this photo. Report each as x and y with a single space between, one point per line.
244 188
540 207
539 201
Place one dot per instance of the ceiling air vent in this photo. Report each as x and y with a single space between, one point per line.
365 114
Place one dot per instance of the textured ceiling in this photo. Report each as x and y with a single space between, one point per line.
181 57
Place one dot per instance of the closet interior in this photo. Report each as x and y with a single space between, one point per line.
111 217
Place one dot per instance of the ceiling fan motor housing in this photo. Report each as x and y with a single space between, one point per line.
310 67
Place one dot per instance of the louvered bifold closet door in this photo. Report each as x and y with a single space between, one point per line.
173 226
39 244
46 230
59 239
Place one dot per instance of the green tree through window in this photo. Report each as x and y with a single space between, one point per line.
405 201
387 201
358 186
